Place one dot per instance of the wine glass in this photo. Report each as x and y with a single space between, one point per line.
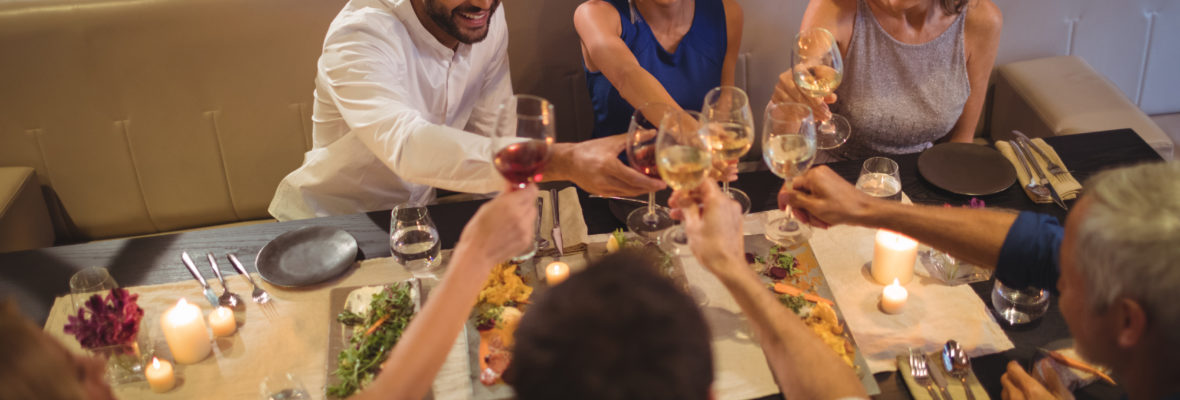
788 146
818 71
729 126
520 142
283 386
683 159
413 240
89 282
641 154
879 178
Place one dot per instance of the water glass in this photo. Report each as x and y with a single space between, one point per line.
1019 306
283 386
879 178
88 282
414 241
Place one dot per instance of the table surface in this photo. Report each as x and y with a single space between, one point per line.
34 277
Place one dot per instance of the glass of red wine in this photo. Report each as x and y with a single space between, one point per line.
520 145
647 222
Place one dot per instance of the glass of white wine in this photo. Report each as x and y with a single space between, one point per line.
818 70
729 126
683 159
788 146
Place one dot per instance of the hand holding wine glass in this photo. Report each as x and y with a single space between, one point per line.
788 146
641 154
817 70
729 127
683 157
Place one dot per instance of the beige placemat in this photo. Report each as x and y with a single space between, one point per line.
291 337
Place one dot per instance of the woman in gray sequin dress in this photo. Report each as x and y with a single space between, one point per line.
915 71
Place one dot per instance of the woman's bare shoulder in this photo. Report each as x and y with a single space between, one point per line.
984 19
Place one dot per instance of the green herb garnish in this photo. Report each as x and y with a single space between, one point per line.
373 336
795 303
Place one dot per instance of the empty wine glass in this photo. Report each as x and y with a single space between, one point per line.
283 386
788 146
879 178
729 126
88 282
818 70
683 159
641 154
414 241
521 140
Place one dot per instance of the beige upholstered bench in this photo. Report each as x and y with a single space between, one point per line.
1062 96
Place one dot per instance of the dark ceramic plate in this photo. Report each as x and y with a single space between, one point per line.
306 256
967 169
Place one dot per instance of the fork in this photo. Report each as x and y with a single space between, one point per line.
1037 189
921 372
259 295
1053 167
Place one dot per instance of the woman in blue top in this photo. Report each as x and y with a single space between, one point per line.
664 51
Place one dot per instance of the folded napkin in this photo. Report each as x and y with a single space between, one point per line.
953 385
1066 185
573 227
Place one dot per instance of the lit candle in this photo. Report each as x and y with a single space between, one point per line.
159 375
893 257
184 330
893 298
222 322
556 272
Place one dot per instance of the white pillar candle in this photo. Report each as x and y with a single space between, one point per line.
556 272
184 330
893 257
222 322
893 298
159 375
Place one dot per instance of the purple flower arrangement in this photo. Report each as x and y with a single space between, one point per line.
113 320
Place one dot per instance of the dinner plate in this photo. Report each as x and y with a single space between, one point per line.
306 256
967 169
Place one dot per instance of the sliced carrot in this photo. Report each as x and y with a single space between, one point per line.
1081 365
377 325
785 288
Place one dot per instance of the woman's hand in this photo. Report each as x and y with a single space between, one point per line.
786 91
503 227
713 223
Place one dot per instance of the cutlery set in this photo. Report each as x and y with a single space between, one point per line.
955 364
227 299
1043 189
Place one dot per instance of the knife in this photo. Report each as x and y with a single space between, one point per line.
1025 139
939 377
192 268
1025 144
557 240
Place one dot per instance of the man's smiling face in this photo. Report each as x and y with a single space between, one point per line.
465 20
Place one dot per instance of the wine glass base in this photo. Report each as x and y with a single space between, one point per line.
527 255
787 233
674 241
742 198
649 226
832 133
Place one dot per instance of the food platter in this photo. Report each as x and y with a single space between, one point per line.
356 299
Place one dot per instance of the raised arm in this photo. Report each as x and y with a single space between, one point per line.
598 26
982 38
501 229
822 198
803 366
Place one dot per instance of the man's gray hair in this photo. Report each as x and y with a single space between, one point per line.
1128 242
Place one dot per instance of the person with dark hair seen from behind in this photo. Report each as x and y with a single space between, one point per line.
617 330
1115 266
36 366
915 71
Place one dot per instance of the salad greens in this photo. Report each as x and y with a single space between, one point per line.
373 336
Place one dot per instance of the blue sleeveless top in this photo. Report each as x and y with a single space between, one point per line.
687 75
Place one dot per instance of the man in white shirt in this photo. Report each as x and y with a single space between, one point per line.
407 92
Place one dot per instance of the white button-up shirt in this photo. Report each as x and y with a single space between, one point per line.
397 114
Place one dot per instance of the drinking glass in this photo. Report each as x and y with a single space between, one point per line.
521 140
1019 306
818 71
283 386
413 240
683 159
729 126
88 282
879 178
788 146
641 154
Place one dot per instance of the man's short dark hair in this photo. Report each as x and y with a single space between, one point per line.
617 330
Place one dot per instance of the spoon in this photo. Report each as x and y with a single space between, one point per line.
957 364
227 298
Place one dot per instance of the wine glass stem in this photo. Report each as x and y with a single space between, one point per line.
725 186
651 205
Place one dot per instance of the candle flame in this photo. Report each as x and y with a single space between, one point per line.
895 282
155 363
181 302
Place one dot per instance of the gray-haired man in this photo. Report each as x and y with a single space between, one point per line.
1116 263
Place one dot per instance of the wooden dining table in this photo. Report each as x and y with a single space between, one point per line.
34 278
